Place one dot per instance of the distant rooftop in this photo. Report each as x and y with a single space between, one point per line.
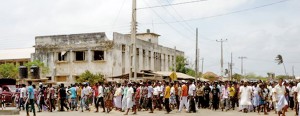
19 53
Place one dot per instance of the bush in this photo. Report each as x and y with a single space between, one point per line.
87 76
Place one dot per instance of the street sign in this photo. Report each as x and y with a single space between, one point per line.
173 76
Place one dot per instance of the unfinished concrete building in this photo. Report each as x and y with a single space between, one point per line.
68 56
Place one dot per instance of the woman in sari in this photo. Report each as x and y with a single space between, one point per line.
108 98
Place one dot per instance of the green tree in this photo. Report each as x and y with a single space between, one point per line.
279 60
180 64
192 72
44 69
8 71
237 77
282 77
87 76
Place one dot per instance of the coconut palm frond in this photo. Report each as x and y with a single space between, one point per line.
279 59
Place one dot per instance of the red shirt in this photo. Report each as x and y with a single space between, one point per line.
184 90
96 91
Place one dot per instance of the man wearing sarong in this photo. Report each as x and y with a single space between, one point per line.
245 97
118 97
124 99
282 103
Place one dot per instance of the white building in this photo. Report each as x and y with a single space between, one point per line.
67 56
18 56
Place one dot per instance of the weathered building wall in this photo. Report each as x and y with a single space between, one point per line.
51 49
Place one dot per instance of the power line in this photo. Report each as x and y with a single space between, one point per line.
169 24
118 14
228 13
185 22
188 27
150 7
165 22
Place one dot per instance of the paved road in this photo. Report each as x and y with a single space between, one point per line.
201 112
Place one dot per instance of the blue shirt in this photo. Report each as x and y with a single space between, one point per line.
73 92
30 92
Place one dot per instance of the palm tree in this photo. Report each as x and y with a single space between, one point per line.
279 60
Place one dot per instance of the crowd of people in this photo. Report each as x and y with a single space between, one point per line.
188 96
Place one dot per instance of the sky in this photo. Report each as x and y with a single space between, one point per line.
256 29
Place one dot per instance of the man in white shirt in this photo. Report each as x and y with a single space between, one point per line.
225 97
162 92
245 97
100 96
149 96
192 93
273 96
129 97
156 96
282 103
84 97
22 97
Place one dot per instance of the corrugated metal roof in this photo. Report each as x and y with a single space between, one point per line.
14 54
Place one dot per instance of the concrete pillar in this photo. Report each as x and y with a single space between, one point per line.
127 59
162 59
146 62
141 60
152 61
53 70
71 59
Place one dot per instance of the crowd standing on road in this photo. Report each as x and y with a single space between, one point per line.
188 96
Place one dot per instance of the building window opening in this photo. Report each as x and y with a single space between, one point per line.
123 48
137 51
21 64
80 56
62 56
98 55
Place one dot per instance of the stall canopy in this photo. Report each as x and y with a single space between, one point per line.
180 76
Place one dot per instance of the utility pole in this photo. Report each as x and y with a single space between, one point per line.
242 61
221 41
133 42
196 63
231 67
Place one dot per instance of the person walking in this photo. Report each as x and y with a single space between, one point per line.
282 103
245 97
206 97
129 98
22 97
84 97
167 95
215 97
63 98
184 97
30 99
51 98
149 96
73 98
118 97
231 91
100 97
